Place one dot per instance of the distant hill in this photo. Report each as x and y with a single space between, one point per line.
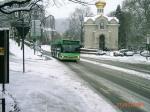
61 25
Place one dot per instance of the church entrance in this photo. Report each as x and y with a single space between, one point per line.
101 42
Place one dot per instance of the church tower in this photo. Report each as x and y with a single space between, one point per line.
100 6
101 31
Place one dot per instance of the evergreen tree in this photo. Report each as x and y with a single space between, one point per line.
122 35
124 28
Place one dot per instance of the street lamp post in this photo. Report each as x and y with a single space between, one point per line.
148 43
81 28
23 45
148 39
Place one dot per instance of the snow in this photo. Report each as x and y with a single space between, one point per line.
48 86
46 47
10 10
97 16
4 29
17 52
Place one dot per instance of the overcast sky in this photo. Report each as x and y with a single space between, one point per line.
63 10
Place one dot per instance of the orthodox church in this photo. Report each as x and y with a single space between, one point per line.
100 31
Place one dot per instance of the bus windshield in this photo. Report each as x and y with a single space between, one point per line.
70 48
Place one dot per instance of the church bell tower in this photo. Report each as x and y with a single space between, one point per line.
100 6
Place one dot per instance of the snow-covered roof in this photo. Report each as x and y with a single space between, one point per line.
4 28
95 17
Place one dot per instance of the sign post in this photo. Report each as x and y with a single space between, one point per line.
22 28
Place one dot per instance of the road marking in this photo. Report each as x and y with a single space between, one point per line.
129 71
106 91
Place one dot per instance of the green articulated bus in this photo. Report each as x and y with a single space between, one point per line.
66 49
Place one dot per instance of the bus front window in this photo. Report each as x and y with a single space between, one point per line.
70 48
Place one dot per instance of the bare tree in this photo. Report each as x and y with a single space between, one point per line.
12 6
76 23
7 6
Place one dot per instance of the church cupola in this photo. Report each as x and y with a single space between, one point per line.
100 6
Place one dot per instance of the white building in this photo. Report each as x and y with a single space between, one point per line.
100 31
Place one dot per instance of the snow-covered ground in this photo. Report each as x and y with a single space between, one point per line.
127 59
17 52
48 86
46 47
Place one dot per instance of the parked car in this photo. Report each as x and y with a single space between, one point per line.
118 53
123 50
126 52
100 52
145 53
129 53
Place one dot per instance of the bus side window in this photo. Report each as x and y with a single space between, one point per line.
78 49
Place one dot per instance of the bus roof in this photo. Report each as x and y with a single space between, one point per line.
65 42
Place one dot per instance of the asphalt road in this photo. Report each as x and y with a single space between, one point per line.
138 67
123 90
126 92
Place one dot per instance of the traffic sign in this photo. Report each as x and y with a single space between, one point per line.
4 55
1 51
36 28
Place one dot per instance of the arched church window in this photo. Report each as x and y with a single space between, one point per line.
102 25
